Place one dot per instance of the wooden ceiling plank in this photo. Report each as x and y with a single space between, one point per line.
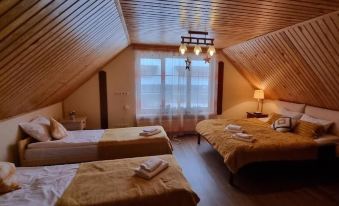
45 38
48 21
7 5
63 48
13 14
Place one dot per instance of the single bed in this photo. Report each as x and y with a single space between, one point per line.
109 182
91 145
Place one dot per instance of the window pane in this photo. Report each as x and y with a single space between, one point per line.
150 101
150 66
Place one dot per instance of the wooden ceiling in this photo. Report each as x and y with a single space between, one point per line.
49 48
228 21
299 63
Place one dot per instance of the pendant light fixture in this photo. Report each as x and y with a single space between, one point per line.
197 41
182 49
197 50
211 50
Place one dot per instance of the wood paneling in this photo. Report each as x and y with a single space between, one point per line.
49 48
229 22
299 63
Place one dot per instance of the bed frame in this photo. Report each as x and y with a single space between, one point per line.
22 145
231 175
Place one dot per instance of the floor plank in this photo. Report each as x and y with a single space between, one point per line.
283 183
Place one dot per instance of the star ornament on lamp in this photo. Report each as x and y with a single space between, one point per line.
259 95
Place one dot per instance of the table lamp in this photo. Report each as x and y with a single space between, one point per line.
258 94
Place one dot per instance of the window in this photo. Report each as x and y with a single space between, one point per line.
165 87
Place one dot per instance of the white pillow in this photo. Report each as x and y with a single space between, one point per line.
58 131
288 113
325 123
37 131
41 120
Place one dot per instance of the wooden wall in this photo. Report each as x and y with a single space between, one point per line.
49 48
299 63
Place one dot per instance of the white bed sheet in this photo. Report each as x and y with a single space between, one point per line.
76 138
40 185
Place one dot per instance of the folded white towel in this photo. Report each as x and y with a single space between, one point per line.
251 140
233 127
151 164
243 135
234 131
157 131
148 175
149 129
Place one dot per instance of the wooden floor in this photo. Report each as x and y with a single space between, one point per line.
271 184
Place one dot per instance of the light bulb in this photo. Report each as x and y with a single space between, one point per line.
211 50
197 50
182 49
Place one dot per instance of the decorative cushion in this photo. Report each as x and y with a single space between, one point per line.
283 124
58 131
8 181
327 114
273 117
325 123
308 129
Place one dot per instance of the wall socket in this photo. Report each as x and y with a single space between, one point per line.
121 93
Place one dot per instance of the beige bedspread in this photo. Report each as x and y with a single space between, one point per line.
113 182
126 142
269 145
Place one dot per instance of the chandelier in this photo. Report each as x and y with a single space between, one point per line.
197 41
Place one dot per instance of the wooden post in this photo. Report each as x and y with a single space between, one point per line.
103 100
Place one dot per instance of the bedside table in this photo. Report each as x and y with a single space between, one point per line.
79 123
256 115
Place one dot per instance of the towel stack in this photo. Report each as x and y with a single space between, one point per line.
233 128
149 131
151 167
243 137
238 133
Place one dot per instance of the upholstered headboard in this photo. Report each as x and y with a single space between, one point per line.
326 114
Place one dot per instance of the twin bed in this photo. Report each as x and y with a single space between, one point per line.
110 181
91 145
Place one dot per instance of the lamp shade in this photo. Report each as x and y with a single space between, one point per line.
259 94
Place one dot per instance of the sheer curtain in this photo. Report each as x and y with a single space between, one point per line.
169 95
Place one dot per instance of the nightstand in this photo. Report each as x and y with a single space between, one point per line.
79 123
256 115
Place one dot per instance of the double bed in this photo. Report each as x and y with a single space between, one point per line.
269 145
109 182
91 145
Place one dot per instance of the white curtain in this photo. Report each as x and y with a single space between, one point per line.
170 95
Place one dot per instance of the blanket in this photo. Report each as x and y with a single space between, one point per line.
269 145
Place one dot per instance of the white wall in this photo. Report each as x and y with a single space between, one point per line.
237 99
10 132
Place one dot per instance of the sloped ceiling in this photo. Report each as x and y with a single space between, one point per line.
299 63
228 21
49 48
